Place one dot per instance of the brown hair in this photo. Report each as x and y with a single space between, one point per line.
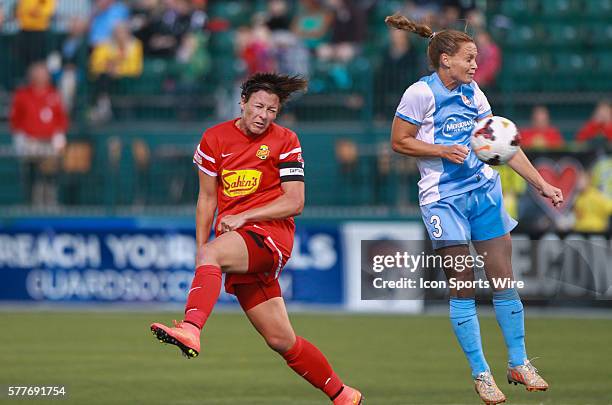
445 41
281 85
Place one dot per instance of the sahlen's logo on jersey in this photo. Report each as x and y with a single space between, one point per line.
263 152
453 126
237 183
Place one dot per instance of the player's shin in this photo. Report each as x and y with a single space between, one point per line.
203 295
511 319
308 361
467 330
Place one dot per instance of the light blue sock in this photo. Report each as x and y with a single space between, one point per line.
467 329
511 320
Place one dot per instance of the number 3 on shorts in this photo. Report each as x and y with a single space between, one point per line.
435 221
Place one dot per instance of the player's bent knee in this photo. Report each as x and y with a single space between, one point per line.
208 254
280 342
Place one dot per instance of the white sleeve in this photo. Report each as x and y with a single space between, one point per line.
415 103
484 108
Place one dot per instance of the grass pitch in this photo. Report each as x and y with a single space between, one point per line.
112 358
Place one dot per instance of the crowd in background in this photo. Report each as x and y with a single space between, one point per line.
105 43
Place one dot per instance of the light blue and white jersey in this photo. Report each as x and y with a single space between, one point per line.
446 117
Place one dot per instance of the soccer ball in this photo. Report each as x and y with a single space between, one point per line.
495 140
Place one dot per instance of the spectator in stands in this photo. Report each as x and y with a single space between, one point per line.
165 35
34 18
68 11
312 23
38 124
117 59
143 13
277 16
592 207
400 63
254 47
600 124
488 60
107 14
448 18
399 66
291 55
475 20
348 32
74 54
541 134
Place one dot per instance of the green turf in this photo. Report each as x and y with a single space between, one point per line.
112 358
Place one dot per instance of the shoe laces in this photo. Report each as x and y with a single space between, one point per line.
177 324
486 378
530 366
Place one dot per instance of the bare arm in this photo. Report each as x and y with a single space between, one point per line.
520 163
403 140
206 206
290 204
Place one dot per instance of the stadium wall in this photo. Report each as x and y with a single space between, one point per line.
138 260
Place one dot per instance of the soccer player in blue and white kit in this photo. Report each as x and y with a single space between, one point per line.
461 197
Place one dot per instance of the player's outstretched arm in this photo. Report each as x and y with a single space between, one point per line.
520 163
290 204
205 208
403 140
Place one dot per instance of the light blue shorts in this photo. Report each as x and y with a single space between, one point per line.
476 215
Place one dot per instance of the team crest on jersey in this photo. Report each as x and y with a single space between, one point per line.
466 100
263 152
237 183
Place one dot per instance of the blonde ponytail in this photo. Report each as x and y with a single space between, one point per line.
402 23
445 41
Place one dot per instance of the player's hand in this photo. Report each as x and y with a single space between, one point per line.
230 223
555 194
454 153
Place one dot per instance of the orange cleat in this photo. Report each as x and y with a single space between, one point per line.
184 336
527 375
349 396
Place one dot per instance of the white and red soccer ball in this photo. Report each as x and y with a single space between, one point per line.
495 140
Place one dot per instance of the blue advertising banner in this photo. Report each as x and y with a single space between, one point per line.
144 264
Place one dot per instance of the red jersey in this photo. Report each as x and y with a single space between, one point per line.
38 113
541 138
593 129
250 171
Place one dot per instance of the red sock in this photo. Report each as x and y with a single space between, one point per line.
203 295
308 361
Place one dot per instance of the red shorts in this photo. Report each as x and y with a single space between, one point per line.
266 260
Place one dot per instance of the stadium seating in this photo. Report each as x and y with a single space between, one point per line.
551 49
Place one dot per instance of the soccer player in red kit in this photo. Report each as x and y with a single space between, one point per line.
251 170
